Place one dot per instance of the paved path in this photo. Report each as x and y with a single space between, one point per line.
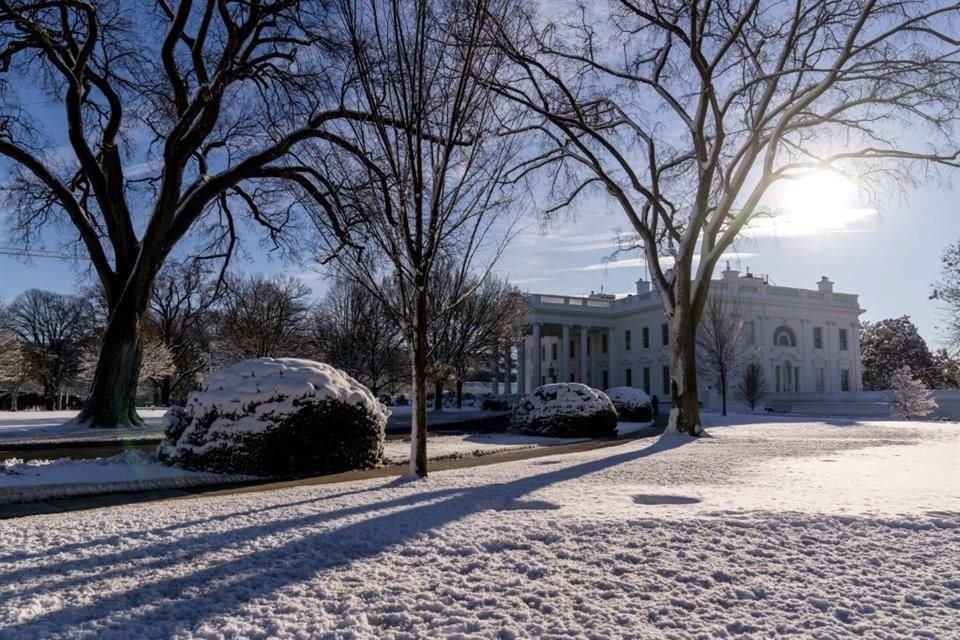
111 499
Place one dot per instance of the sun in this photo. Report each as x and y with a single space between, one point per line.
818 192
817 201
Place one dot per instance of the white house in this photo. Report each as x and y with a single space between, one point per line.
806 340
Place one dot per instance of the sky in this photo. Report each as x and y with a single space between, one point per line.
889 256
888 253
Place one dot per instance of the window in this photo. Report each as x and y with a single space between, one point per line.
571 378
603 347
606 379
844 379
843 339
553 351
665 334
646 380
779 382
821 385
629 374
750 332
626 339
666 379
818 337
543 353
783 337
572 354
646 337
787 377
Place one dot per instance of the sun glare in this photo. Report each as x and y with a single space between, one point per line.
816 202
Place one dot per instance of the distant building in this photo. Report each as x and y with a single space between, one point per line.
806 340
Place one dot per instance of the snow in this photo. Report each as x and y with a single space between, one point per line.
628 396
128 471
254 396
462 446
771 529
562 399
29 426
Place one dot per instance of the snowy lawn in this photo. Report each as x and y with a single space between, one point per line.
52 426
810 530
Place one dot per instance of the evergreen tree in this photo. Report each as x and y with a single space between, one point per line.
889 344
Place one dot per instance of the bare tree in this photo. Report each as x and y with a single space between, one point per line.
947 292
14 366
475 330
911 398
180 309
262 317
720 345
54 329
752 386
431 189
356 332
180 120
686 113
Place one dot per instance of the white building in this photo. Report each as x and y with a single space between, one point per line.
806 340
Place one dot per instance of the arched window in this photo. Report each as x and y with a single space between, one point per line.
784 337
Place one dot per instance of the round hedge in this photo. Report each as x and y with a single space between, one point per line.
276 417
632 404
565 410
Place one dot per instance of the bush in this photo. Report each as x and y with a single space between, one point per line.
632 405
276 417
565 410
495 404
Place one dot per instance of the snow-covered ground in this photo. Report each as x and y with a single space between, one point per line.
814 530
51 426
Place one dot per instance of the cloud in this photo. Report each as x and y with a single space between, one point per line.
630 263
809 222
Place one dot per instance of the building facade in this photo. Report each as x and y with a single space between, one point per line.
806 340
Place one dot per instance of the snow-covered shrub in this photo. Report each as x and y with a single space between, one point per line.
911 398
632 405
276 417
565 410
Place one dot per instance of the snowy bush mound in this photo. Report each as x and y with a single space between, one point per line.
565 410
632 405
276 417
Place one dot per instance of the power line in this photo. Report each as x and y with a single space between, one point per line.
35 253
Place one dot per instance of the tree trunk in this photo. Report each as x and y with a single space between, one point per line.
418 425
685 414
723 392
438 395
112 398
165 390
14 392
459 392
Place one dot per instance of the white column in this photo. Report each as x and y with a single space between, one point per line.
565 354
583 354
537 360
522 367
613 359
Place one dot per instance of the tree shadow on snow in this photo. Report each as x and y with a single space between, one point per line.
180 602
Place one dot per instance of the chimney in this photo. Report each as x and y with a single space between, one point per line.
730 275
825 286
642 287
